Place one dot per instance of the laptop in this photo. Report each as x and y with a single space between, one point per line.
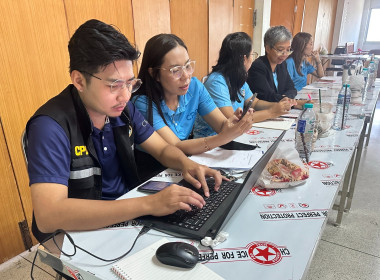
220 206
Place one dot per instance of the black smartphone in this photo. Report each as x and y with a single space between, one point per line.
153 186
249 104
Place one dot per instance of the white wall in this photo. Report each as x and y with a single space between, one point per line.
263 9
348 22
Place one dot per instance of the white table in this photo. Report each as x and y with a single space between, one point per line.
273 235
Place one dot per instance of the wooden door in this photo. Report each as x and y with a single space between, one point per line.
34 63
288 13
189 21
150 17
243 16
11 243
221 22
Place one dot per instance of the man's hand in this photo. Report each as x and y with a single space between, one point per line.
174 198
195 174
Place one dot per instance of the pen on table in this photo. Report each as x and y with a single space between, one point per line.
308 95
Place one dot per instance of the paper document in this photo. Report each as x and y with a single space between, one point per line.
314 86
277 123
144 265
221 158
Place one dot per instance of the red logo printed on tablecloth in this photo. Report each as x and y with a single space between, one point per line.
75 274
303 205
259 252
316 164
265 253
253 132
263 192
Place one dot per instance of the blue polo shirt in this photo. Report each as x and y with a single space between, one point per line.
49 160
196 100
306 68
217 87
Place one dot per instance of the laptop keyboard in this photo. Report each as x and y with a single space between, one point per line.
196 218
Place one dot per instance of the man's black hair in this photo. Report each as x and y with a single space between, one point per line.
96 44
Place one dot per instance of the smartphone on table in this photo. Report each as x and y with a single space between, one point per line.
154 186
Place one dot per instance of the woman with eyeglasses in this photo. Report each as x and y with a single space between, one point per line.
298 64
268 75
170 99
228 88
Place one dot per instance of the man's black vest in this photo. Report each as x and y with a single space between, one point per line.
85 180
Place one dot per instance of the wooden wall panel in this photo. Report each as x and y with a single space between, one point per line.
35 61
116 12
220 25
298 16
243 16
288 13
310 16
282 13
189 21
151 17
11 243
325 24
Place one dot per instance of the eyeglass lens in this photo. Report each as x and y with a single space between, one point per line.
178 70
132 86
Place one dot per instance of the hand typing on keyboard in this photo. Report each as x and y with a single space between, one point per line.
171 199
196 174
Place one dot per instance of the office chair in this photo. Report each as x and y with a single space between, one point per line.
338 62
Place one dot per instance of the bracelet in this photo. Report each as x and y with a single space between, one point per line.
207 148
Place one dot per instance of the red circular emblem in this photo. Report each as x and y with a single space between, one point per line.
318 164
265 253
263 192
253 132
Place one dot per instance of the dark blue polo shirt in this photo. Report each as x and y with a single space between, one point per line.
49 152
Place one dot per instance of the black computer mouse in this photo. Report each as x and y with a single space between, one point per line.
178 254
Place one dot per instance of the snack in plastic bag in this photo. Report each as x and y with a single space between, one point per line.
284 169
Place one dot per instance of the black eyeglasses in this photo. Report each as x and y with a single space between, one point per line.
119 85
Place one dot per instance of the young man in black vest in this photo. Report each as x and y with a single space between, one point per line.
80 143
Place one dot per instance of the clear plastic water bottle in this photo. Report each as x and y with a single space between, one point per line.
365 74
305 132
345 76
371 74
376 60
342 105
365 88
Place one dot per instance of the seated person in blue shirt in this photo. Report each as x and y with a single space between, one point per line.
298 66
268 75
228 88
170 99
80 143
